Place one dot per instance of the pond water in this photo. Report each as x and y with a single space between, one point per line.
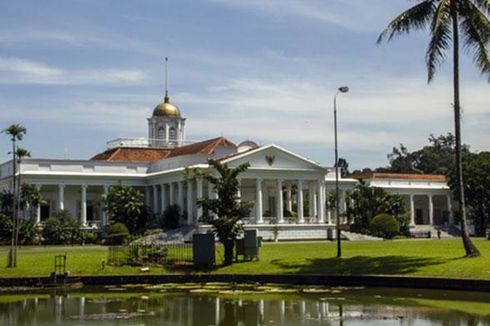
249 304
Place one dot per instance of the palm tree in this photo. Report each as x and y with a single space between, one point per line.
16 132
228 209
447 19
20 153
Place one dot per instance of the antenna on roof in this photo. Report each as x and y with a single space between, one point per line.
166 79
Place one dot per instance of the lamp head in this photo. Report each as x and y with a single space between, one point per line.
344 89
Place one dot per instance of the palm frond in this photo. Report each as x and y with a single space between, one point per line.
440 40
16 131
484 5
416 17
476 31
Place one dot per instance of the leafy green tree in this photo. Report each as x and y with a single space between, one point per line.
447 19
435 158
228 209
344 166
16 133
477 189
30 198
125 205
367 202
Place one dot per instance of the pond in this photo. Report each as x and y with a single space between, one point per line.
245 304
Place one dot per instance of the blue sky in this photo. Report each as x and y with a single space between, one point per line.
79 73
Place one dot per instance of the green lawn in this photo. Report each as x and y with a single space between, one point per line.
440 258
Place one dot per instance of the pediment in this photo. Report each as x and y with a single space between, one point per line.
272 157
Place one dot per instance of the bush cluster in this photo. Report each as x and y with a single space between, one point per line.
385 226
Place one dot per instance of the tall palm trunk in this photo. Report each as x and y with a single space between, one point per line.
11 260
469 247
17 219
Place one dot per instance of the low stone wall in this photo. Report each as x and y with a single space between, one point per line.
286 232
304 279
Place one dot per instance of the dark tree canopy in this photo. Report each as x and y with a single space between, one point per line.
435 158
476 167
124 204
367 202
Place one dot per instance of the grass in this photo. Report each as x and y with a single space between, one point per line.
440 258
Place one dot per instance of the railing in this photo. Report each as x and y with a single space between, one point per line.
145 143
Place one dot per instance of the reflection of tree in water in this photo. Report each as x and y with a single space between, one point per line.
184 309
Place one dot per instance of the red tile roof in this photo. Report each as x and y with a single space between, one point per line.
131 154
405 176
205 147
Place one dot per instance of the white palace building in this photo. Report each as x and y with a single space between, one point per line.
277 180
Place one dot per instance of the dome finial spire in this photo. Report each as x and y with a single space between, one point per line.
167 99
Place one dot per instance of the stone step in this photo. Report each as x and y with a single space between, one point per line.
351 236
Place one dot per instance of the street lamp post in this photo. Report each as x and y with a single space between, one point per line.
343 89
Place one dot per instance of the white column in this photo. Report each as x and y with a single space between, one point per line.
258 201
83 211
199 195
155 199
328 211
450 209
315 199
431 210
279 202
105 217
180 190
163 198
412 210
289 202
239 191
342 204
147 196
301 218
189 203
321 202
311 195
167 128
61 197
171 192
38 209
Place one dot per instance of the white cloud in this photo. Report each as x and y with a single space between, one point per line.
358 15
374 118
21 71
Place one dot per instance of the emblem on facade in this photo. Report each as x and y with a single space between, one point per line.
270 159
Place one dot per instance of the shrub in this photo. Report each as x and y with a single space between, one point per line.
61 228
118 234
5 229
170 217
385 225
91 237
29 233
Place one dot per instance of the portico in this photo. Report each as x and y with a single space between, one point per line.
427 197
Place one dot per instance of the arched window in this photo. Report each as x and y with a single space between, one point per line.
172 134
161 133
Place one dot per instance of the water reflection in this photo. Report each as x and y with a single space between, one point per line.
152 308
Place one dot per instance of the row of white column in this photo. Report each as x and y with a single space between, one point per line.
175 191
317 199
431 209
83 202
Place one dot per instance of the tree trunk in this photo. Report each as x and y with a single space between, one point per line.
17 219
469 247
11 251
229 245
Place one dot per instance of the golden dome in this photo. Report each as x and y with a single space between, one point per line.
166 109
